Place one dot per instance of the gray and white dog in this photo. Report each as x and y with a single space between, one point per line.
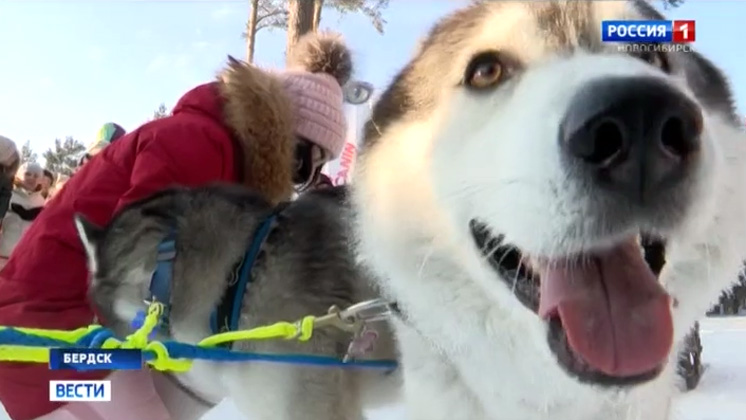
507 174
304 267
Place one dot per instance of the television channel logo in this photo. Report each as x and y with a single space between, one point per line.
69 391
95 359
649 31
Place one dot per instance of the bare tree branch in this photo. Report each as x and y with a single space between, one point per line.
667 4
274 19
371 8
281 13
275 14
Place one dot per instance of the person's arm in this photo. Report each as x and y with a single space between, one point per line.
6 192
188 155
24 213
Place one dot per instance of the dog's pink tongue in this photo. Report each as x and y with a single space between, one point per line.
616 315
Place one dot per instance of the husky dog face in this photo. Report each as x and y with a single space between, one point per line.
121 258
544 206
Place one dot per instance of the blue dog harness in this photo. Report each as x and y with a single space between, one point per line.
226 314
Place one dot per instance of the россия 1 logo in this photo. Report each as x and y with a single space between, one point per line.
648 31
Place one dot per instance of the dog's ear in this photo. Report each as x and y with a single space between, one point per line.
90 235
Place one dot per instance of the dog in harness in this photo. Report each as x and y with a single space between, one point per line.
221 258
226 314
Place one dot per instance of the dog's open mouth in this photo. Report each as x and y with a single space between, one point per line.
609 318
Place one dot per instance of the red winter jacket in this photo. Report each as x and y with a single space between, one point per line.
44 283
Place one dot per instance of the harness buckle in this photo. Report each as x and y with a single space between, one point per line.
373 310
334 318
355 317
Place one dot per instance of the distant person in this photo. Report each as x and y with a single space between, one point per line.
107 134
26 202
266 131
10 160
47 183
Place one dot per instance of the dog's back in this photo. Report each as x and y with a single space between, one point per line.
210 226
305 265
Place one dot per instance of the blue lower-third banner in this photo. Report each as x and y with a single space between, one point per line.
95 359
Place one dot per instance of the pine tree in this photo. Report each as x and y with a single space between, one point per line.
305 15
300 20
251 29
27 153
160 112
672 3
733 301
276 14
316 19
372 9
263 14
690 359
64 156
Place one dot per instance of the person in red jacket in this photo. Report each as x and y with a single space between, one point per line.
267 131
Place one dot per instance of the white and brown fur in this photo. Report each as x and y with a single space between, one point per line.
437 156
305 266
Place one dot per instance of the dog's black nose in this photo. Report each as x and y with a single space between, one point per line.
638 136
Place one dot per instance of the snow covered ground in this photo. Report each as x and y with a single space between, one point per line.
720 395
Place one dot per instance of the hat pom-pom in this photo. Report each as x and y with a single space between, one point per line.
322 52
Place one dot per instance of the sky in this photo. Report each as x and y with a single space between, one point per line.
68 66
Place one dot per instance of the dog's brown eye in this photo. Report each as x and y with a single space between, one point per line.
484 71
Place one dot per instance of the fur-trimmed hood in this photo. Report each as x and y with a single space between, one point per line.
254 106
260 115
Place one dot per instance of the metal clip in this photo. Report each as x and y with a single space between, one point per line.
355 317
335 318
373 310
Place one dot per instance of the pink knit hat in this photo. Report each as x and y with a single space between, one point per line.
318 66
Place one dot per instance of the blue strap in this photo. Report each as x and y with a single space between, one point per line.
225 317
235 293
160 282
244 275
188 351
176 350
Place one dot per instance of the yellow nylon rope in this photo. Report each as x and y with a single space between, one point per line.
301 331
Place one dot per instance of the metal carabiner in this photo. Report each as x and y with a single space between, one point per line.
334 318
355 317
373 310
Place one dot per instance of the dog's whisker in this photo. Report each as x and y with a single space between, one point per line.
477 187
489 253
517 272
708 264
425 259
